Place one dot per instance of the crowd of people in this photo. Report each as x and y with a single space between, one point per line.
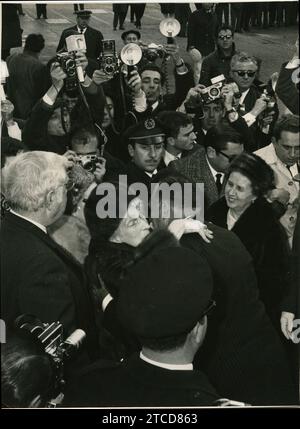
184 301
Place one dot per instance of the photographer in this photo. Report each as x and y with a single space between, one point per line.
209 111
49 124
254 104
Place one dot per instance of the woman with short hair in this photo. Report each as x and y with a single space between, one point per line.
245 210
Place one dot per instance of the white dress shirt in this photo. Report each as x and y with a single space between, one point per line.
39 225
214 172
174 367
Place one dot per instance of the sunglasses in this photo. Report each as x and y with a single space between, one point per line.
243 73
225 37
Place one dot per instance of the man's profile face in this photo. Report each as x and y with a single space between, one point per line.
185 138
244 73
146 156
151 85
221 160
287 148
213 114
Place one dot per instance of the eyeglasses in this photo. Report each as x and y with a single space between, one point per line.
229 157
212 304
243 73
225 37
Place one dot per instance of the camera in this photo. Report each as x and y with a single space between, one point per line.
88 162
212 92
109 61
152 52
50 337
67 61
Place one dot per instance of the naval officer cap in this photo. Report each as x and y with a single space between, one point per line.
149 131
165 294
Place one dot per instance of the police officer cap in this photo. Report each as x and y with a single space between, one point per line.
83 13
148 131
165 294
125 34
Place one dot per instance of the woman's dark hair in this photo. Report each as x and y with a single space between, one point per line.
256 170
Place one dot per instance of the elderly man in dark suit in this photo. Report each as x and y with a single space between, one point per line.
208 164
92 37
39 277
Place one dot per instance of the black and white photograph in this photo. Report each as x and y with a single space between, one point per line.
150 208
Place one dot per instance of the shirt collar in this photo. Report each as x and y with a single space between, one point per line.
39 225
174 367
79 30
243 96
213 171
151 174
154 105
169 157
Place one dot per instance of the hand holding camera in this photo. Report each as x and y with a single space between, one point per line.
99 77
7 109
100 169
173 51
134 82
57 76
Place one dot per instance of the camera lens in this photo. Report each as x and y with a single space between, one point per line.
214 92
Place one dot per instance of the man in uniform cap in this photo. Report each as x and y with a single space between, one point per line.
146 148
167 310
92 37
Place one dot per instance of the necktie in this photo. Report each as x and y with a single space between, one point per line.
218 182
289 168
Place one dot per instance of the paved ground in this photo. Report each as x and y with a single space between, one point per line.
274 46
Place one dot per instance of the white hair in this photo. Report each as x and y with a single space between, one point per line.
28 178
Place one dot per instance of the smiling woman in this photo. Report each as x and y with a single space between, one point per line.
245 210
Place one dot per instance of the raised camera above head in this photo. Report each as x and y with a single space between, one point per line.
67 61
152 52
213 91
108 60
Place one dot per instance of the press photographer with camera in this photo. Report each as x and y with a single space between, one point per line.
257 106
49 124
210 106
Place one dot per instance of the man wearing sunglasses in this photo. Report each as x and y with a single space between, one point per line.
218 62
253 104
209 163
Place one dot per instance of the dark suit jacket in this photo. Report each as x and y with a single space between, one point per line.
136 383
266 241
40 278
287 90
92 38
196 168
202 30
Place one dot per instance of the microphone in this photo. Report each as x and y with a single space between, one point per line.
76 43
